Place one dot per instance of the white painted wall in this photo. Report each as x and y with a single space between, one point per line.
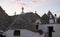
27 33
44 27
24 33
56 28
51 21
57 31
9 33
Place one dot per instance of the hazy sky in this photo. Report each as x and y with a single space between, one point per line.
41 6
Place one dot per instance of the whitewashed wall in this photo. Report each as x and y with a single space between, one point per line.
57 31
44 27
24 33
9 33
27 33
56 28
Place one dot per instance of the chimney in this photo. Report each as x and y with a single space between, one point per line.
55 18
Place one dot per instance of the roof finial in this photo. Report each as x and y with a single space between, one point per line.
22 10
15 13
35 11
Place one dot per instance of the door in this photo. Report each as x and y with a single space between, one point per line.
50 30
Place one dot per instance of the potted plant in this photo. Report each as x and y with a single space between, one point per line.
40 32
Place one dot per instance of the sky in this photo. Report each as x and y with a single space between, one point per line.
40 6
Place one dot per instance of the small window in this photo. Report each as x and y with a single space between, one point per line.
36 26
17 33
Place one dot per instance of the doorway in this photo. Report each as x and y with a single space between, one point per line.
50 30
36 26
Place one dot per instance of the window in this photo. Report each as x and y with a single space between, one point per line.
17 33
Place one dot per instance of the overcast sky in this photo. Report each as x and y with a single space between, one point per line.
41 6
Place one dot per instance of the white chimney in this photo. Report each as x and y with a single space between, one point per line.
55 18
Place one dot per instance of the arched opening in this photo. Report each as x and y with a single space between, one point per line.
36 26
